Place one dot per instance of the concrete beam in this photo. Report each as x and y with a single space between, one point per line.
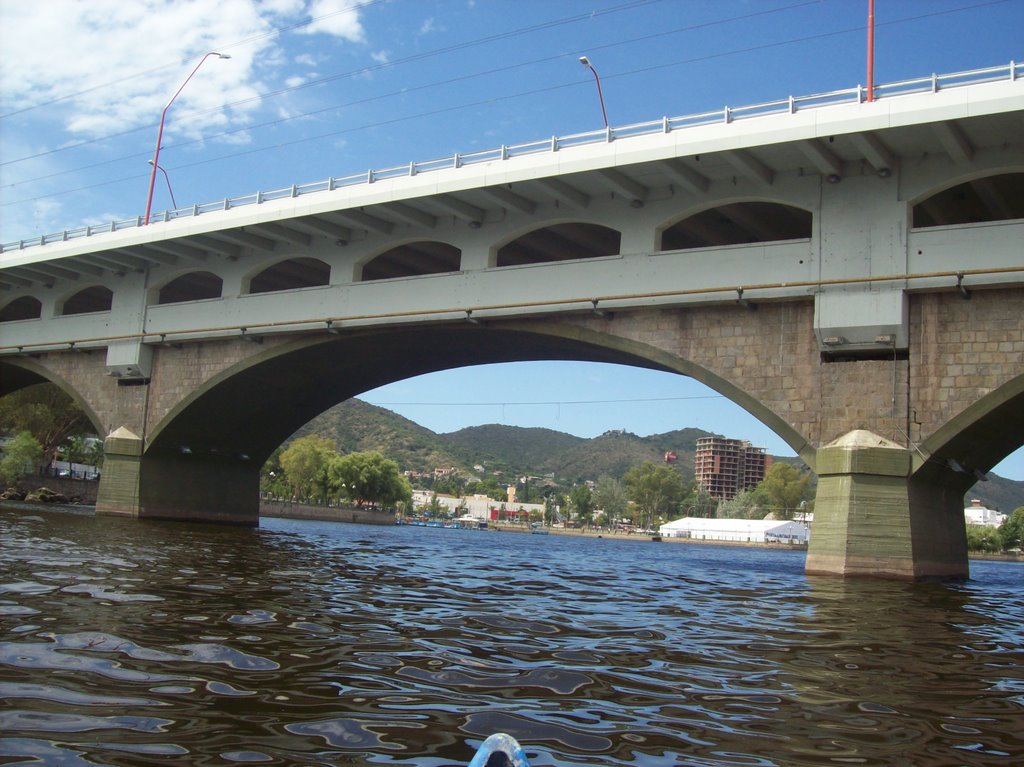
750 166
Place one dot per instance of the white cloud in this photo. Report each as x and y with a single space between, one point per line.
108 66
339 18
381 57
428 26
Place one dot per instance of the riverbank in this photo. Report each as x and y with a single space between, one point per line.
284 510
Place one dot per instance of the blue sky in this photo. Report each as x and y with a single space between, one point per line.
318 88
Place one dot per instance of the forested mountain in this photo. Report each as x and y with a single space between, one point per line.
514 451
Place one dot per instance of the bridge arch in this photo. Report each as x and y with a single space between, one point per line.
222 432
22 308
976 439
95 298
288 273
970 198
412 258
739 221
21 372
559 241
196 285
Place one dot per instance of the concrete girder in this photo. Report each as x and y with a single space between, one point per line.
462 209
954 141
564 192
46 272
681 173
875 151
179 249
365 220
213 245
511 199
751 167
623 184
242 237
283 233
325 227
24 280
148 255
823 158
411 214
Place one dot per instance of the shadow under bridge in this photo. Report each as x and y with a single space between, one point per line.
203 461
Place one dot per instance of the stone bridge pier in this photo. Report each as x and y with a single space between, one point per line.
896 438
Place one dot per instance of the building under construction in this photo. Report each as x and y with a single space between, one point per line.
725 467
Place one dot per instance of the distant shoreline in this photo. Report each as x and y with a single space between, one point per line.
326 516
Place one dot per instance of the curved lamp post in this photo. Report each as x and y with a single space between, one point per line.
160 132
168 180
586 62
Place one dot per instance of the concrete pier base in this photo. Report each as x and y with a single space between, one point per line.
872 519
118 493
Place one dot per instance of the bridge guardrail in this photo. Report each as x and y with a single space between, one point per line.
933 83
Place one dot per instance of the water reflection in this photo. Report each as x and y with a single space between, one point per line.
130 643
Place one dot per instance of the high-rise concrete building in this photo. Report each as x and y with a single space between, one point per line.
725 467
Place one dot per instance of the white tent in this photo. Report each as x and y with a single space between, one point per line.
740 530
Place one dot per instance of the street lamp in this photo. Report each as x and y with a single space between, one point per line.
586 62
160 132
168 180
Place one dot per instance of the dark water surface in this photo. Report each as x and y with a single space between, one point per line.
306 643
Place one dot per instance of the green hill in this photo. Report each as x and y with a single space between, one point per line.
513 450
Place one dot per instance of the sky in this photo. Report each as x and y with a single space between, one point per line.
320 88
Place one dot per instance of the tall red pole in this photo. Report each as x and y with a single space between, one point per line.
871 50
160 132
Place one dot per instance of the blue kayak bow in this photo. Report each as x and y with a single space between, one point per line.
500 750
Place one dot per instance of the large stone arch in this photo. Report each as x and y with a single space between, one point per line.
975 439
202 459
21 372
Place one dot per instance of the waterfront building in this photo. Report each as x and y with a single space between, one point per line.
737 530
977 514
725 467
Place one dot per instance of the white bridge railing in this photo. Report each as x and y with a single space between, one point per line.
933 84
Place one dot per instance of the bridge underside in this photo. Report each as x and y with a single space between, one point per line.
221 438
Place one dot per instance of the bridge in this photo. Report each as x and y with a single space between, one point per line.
848 271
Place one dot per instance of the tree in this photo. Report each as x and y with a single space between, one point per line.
369 478
783 488
1012 530
305 464
611 496
47 413
582 501
656 490
744 506
984 538
21 454
85 450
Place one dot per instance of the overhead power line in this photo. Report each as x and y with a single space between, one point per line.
467 105
500 403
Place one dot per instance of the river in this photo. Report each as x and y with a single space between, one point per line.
316 643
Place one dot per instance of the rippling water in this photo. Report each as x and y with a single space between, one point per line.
304 643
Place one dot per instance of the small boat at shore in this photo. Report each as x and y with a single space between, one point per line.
500 750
